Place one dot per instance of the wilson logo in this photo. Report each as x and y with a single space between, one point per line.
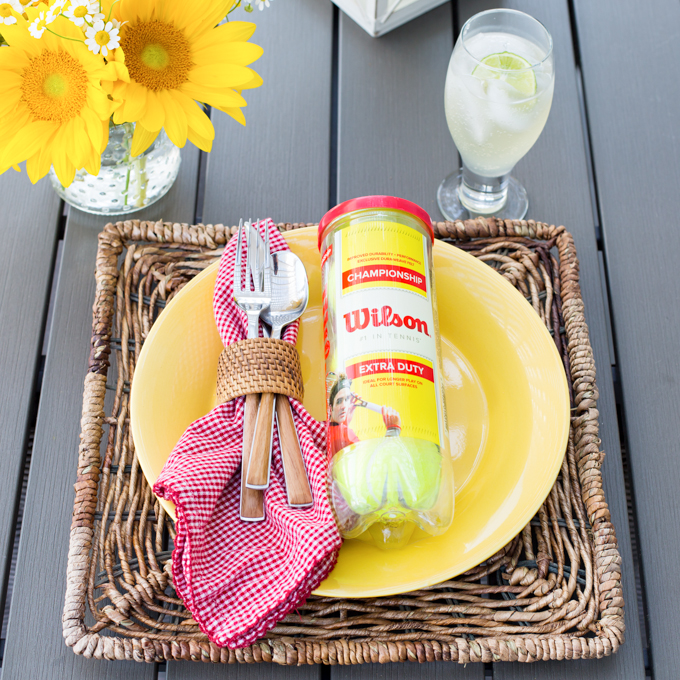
359 319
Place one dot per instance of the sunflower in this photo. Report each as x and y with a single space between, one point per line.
177 54
53 110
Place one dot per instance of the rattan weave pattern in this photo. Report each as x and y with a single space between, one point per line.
259 365
554 592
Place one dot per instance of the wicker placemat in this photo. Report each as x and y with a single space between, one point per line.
554 592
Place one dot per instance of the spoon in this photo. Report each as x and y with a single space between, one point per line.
289 297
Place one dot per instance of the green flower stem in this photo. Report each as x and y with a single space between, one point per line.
49 30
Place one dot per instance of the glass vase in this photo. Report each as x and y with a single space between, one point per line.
124 184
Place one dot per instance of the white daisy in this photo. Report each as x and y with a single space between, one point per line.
40 23
261 4
102 37
116 24
82 11
7 10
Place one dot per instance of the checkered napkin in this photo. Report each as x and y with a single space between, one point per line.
239 578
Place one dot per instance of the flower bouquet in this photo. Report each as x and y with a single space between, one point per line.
103 94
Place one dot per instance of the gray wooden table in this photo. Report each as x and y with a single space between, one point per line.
341 115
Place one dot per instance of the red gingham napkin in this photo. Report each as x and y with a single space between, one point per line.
239 578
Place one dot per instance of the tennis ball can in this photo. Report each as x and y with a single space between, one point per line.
389 467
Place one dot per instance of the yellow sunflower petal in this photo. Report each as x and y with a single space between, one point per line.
45 162
232 31
99 102
142 139
38 165
17 35
10 81
211 15
134 103
235 113
93 163
241 54
13 61
26 142
175 118
220 75
129 10
154 115
252 84
196 118
116 70
213 97
93 126
9 101
105 139
81 142
62 165
201 142
32 167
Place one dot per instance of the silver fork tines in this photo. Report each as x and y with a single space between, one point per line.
252 302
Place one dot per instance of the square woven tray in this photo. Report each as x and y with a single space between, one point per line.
554 592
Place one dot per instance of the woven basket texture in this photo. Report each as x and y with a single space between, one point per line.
554 592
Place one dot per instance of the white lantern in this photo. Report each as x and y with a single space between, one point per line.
377 17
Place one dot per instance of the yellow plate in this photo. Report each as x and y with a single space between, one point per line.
506 396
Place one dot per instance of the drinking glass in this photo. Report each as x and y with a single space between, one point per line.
499 88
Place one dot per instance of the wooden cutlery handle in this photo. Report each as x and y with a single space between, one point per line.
297 483
260 454
252 500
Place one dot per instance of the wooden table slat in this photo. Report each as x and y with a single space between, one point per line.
632 90
277 166
392 133
35 646
555 173
29 220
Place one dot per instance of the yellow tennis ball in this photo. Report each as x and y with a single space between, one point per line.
389 475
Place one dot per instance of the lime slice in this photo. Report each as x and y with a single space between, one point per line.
510 68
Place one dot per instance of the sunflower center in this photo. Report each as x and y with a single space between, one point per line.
80 12
5 10
102 38
54 87
157 55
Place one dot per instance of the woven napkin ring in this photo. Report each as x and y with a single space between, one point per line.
259 365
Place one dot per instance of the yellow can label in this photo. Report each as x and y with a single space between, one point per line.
382 369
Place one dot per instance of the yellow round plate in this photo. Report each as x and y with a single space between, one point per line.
506 396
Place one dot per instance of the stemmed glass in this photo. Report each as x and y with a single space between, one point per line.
499 89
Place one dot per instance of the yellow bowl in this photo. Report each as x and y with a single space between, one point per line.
506 395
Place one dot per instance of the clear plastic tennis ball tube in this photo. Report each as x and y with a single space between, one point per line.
390 468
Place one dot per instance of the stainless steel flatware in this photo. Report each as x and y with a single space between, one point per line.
252 302
290 294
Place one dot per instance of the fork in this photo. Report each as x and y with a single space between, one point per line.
252 302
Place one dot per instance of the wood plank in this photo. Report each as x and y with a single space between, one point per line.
393 138
29 219
277 166
409 670
555 174
632 88
189 670
435 670
35 647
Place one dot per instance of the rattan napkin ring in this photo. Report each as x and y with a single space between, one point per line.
259 365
